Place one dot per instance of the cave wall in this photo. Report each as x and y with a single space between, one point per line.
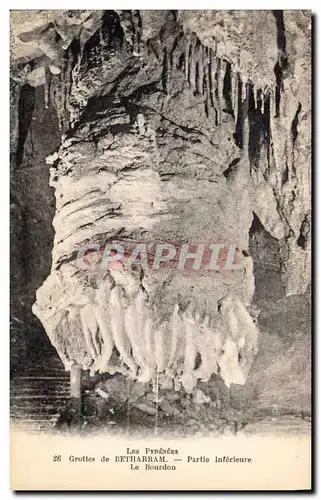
32 207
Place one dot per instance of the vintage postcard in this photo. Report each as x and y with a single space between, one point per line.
160 249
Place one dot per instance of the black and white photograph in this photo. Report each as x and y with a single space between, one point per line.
160 226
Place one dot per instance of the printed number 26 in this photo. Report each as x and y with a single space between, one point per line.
57 458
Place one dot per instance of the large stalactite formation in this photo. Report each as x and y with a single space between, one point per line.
176 126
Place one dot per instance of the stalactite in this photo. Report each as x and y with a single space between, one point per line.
220 86
102 318
93 327
200 70
86 331
68 84
137 33
118 314
262 101
62 88
245 121
206 63
148 341
273 109
223 70
165 72
131 328
47 89
52 91
81 53
289 154
187 56
78 61
236 99
104 43
99 47
160 348
233 88
255 95
188 379
101 36
172 54
208 86
169 66
141 317
175 329
57 101
244 89
118 329
192 63
229 367
61 93
213 82
127 25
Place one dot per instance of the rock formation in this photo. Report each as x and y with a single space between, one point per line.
176 127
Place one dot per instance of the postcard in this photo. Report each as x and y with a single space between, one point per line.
160 179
